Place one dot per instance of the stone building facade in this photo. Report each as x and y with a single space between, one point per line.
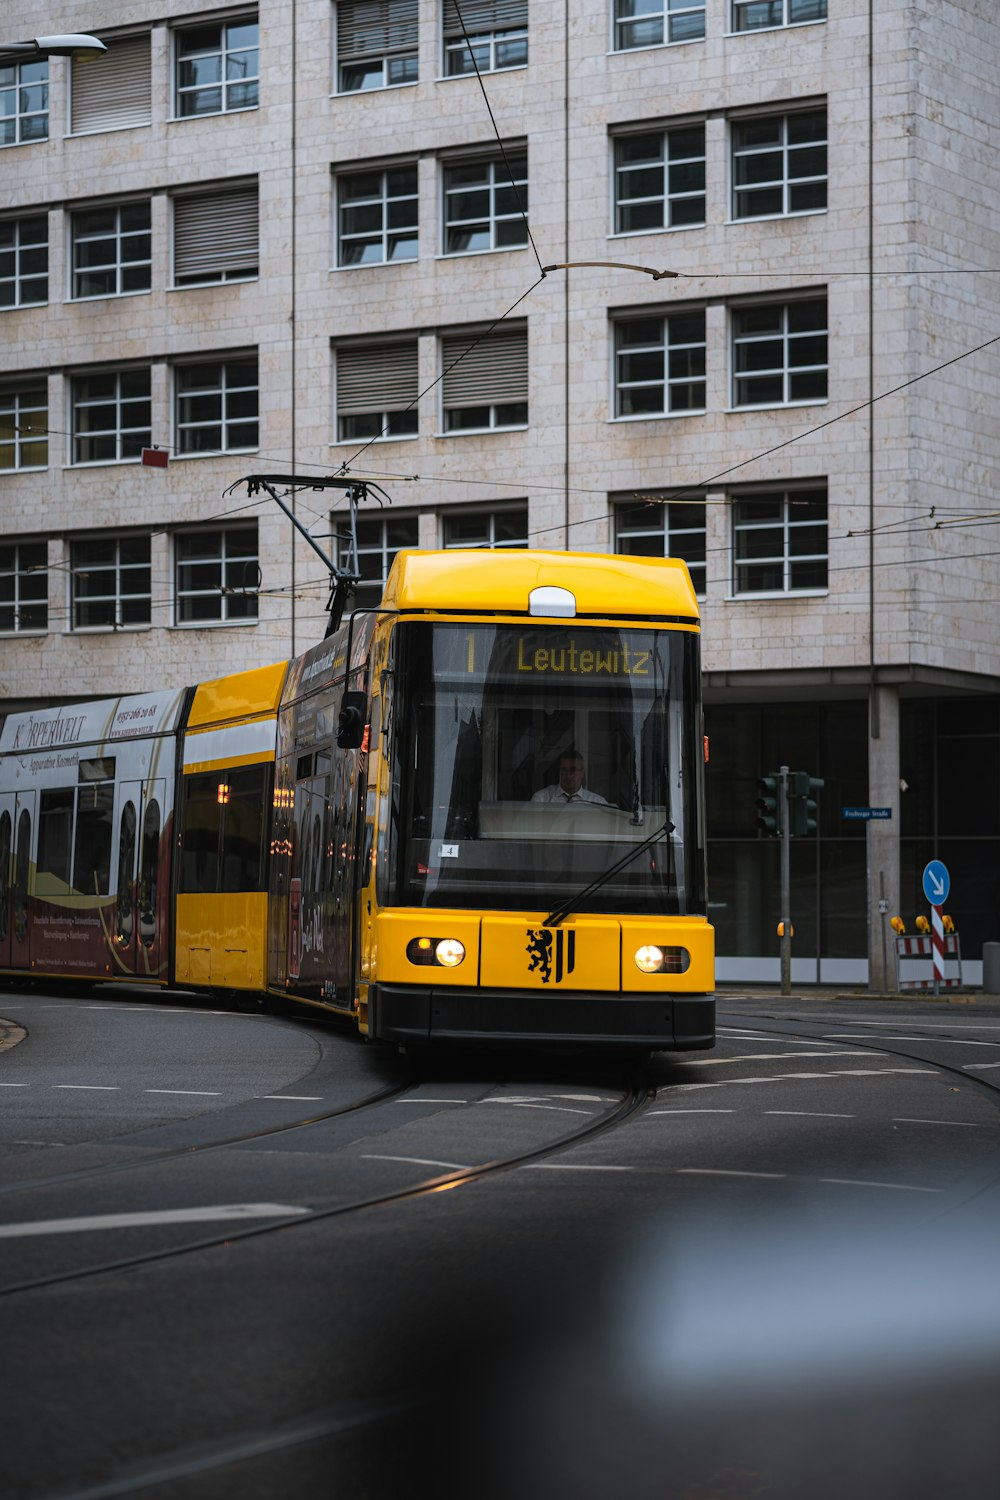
284 237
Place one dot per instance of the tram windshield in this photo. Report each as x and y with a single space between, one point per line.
526 761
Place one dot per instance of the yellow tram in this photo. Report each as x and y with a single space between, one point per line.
426 875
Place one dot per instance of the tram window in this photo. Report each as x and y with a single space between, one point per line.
200 829
55 832
93 834
126 866
303 767
21 866
100 769
148 873
243 829
6 829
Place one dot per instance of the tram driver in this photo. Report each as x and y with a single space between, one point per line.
570 787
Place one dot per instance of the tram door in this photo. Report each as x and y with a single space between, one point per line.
7 813
23 822
137 915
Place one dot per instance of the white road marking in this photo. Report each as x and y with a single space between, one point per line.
900 1187
560 1109
690 1111
99 1088
718 1062
566 1166
952 1041
161 1216
305 1098
913 1120
417 1161
781 1077
13 1085
199 1093
430 1101
980 1067
723 1172
818 1114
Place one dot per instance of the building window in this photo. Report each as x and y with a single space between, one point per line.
780 353
660 364
779 164
24 261
647 23
112 250
780 541
377 43
485 379
111 416
24 103
218 68
660 527
495 528
379 539
485 203
217 406
110 582
377 216
216 235
753 15
497 32
218 575
24 429
24 586
377 390
660 179
117 92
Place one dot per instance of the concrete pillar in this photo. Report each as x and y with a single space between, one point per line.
883 836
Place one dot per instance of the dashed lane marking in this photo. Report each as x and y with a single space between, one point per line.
690 1111
156 1217
92 1088
719 1062
299 1098
951 1041
792 1077
899 1187
817 1114
913 1120
417 1161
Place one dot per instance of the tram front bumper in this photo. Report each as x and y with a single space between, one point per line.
425 1013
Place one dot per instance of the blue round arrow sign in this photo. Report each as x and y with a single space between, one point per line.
937 882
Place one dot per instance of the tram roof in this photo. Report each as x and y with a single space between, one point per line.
500 581
241 695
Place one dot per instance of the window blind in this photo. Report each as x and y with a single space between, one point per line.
376 379
367 27
216 232
115 92
494 369
483 15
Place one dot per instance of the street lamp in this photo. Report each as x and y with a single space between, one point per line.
78 45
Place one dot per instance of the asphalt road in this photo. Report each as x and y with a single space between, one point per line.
245 1255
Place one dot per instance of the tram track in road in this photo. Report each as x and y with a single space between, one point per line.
636 1093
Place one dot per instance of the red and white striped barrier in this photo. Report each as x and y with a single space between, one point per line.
937 945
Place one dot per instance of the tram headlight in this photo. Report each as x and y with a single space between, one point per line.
450 952
657 958
446 953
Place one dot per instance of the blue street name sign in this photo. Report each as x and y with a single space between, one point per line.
937 882
864 814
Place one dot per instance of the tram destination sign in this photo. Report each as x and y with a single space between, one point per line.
865 814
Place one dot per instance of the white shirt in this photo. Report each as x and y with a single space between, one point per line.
556 794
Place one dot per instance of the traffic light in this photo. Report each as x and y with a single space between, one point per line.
769 803
802 808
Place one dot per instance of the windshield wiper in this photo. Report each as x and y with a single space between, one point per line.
555 917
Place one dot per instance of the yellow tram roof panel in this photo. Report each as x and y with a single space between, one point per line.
241 695
500 580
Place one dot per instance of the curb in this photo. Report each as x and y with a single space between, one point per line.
901 997
10 1034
